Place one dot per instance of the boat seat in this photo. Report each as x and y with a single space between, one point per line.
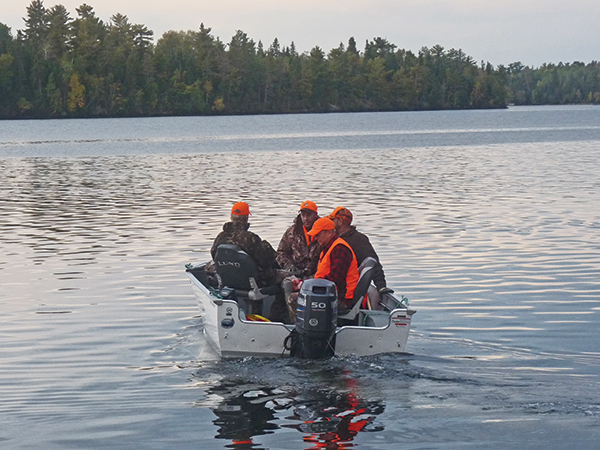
237 270
366 271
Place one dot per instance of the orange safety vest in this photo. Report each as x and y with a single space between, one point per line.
325 267
307 237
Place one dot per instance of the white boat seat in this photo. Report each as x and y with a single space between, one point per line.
237 270
366 271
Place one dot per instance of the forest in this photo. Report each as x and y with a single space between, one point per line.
63 66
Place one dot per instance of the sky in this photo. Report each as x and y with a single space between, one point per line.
533 32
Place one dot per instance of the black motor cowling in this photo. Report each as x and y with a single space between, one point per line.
316 320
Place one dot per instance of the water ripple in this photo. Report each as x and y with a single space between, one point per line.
496 244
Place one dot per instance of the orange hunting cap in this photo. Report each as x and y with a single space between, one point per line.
321 224
309 205
341 213
240 209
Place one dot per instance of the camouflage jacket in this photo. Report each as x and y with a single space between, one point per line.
260 250
294 254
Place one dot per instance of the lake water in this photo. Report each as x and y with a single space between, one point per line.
488 221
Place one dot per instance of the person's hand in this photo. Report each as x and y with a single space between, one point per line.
385 290
296 284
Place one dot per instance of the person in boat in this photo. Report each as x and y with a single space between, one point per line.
337 263
298 253
236 232
342 219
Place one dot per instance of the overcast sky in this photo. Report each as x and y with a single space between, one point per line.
498 31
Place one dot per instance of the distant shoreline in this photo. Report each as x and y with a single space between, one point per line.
247 114
289 113
60 67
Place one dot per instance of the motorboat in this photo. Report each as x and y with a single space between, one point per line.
235 313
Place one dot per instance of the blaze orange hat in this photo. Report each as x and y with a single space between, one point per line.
341 213
321 224
309 205
240 209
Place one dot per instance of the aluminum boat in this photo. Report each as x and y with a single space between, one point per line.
235 313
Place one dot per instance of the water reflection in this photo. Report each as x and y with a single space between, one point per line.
332 419
328 413
244 411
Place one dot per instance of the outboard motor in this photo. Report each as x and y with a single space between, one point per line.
316 320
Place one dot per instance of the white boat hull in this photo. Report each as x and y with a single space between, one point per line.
231 335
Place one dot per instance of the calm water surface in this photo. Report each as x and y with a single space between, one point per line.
488 221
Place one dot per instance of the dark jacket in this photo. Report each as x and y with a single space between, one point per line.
362 248
294 254
260 250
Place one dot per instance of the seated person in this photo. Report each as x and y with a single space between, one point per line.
337 263
342 218
298 253
236 232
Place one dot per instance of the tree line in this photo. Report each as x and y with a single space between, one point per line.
60 66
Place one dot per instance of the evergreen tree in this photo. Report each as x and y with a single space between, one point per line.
57 66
